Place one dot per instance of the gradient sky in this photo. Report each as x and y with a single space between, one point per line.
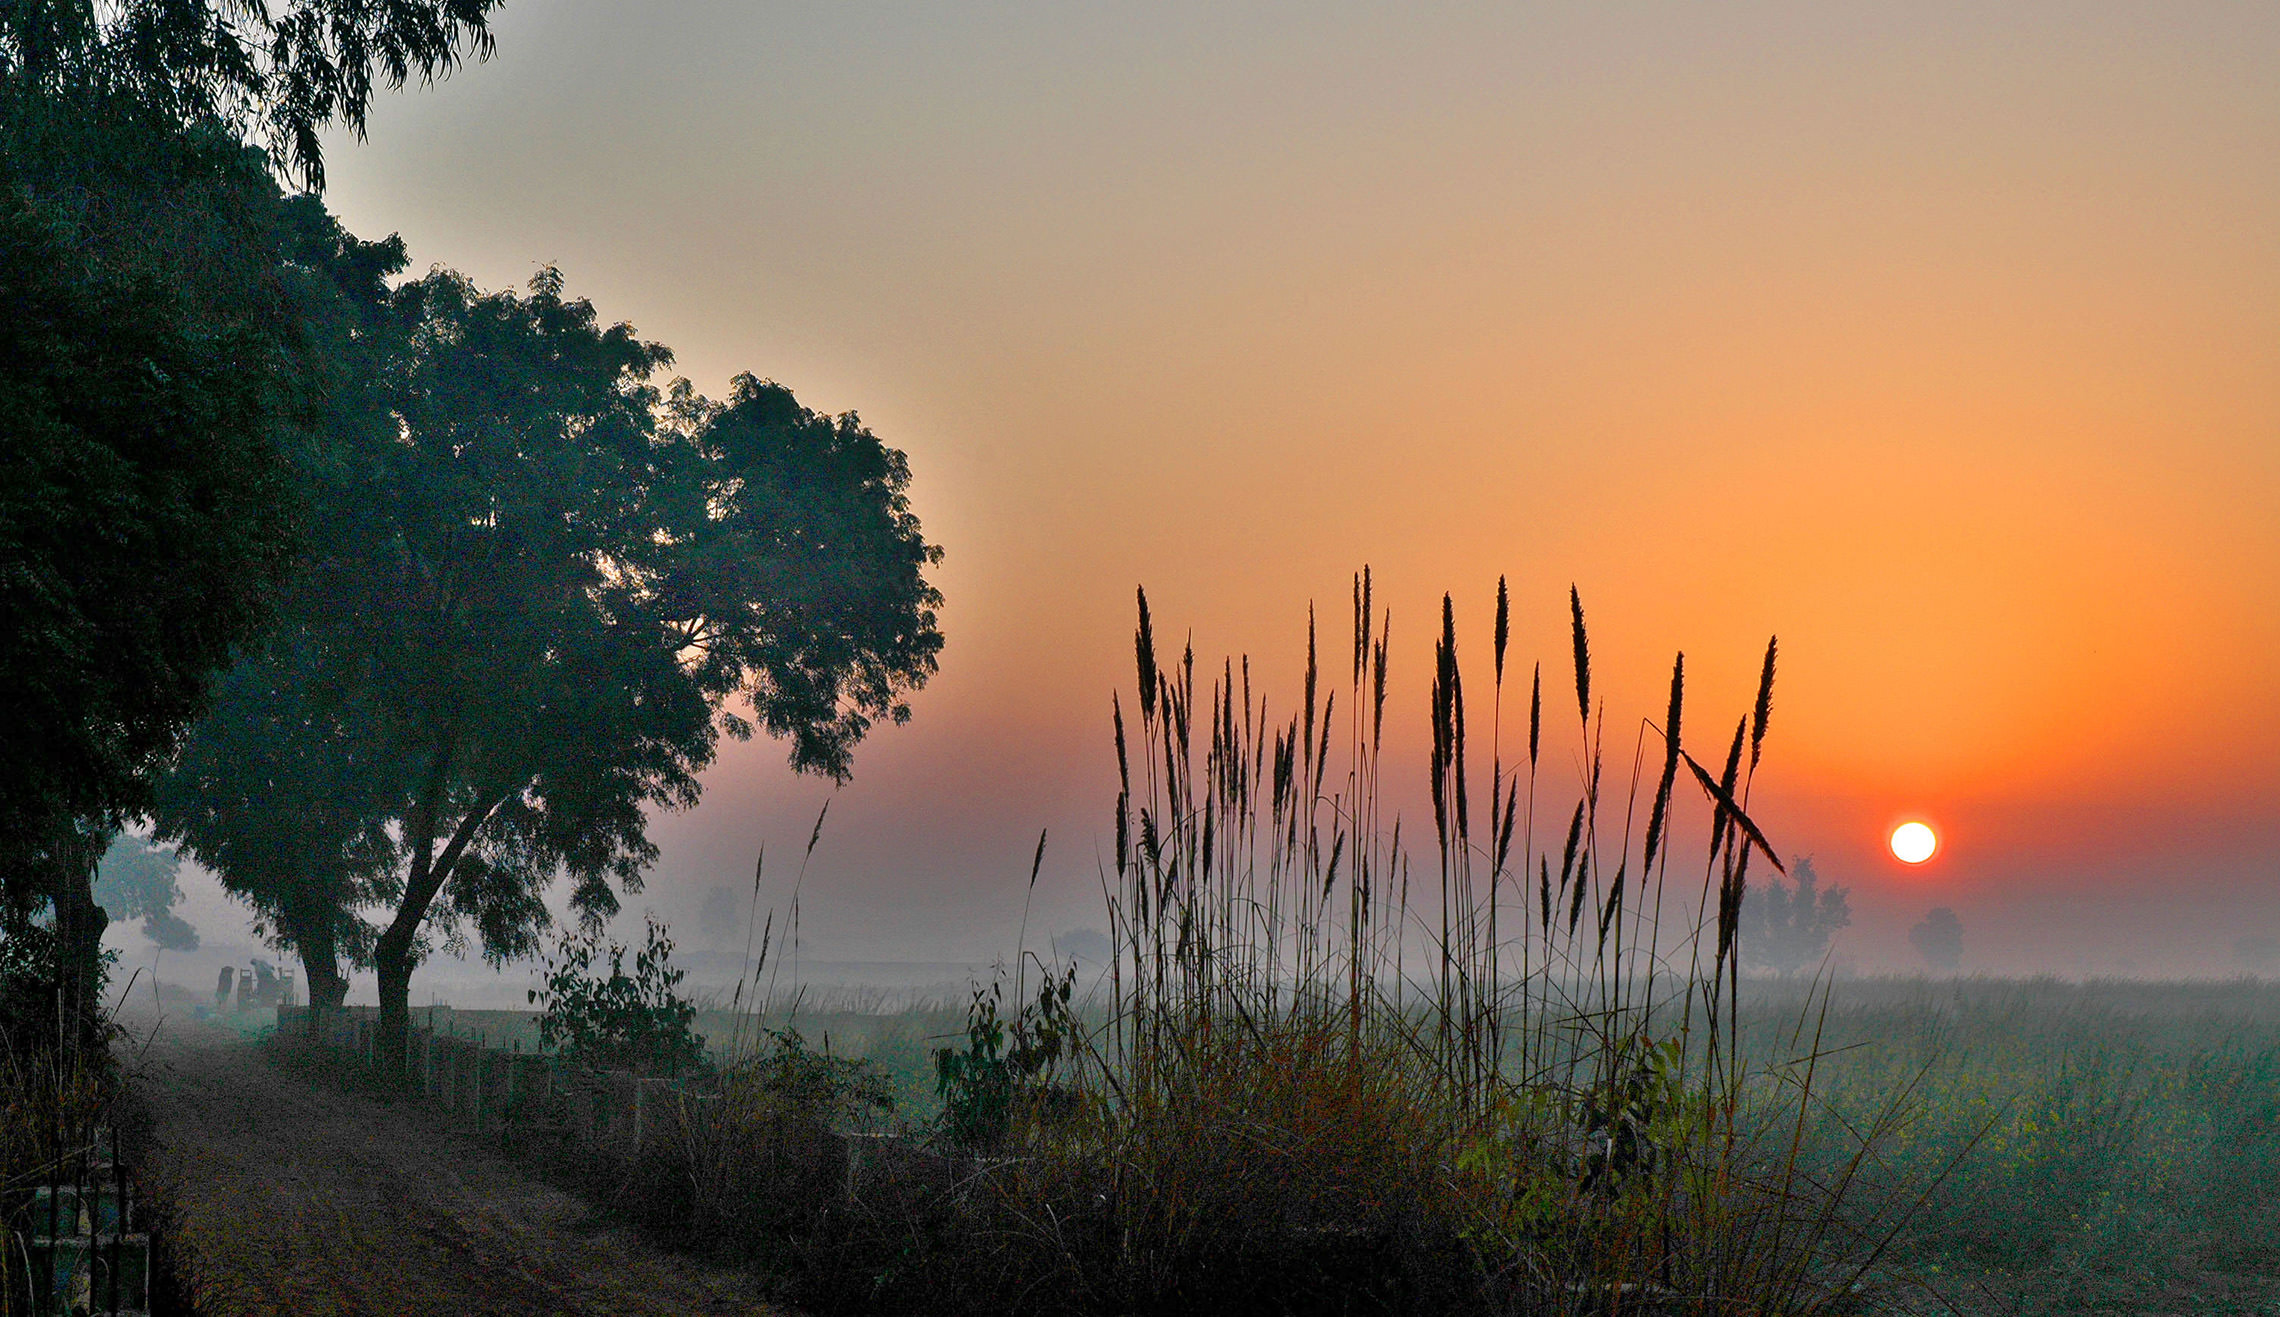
1941 340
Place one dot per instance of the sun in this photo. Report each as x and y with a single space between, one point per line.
1914 842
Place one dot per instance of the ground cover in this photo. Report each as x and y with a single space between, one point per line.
2094 1147
290 1193
2108 1146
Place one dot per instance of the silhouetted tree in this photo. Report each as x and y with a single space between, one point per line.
1088 947
279 790
1786 927
1939 939
278 793
136 880
148 356
530 619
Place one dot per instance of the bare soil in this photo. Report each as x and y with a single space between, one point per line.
289 1194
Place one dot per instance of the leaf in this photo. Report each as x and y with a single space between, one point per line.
1725 801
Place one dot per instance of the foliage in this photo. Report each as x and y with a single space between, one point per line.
1785 928
1633 1121
826 1089
618 1021
135 880
281 73
1004 1063
544 583
1939 939
149 361
145 516
27 980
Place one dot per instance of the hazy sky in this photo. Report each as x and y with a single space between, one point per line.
1941 340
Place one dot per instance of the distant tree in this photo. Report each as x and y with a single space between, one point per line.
529 622
723 917
1786 927
1089 947
136 880
1939 939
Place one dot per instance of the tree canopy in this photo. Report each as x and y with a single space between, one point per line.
546 588
1786 928
152 365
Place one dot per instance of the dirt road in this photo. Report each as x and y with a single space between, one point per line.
297 1197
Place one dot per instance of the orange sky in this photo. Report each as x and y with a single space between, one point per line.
1943 340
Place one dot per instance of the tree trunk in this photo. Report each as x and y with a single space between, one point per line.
320 966
393 958
79 925
431 868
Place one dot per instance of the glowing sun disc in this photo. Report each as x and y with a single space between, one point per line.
1914 843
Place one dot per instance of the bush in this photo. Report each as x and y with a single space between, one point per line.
985 1086
759 1160
618 1021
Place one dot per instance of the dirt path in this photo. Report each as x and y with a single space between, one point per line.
297 1197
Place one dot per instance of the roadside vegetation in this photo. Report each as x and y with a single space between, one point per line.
2055 1147
1315 1073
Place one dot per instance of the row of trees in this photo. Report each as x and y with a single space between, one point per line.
1788 927
391 601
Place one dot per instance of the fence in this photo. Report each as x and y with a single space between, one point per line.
521 1096
533 1100
78 1236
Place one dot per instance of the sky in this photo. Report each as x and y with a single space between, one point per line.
1940 340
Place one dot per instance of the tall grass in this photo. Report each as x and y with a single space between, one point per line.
1510 1085
1333 1070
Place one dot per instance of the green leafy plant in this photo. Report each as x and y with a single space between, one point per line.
618 1021
1004 1062
829 1089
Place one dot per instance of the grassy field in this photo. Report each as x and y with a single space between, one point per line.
1331 1070
2053 1147
2107 1146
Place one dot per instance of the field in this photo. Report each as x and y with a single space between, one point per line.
2110 1146
2036 1146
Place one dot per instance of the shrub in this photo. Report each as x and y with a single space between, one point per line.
983 1087
1939 939
618 1021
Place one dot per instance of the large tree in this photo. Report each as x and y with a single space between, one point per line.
278 791
554 588
149 369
